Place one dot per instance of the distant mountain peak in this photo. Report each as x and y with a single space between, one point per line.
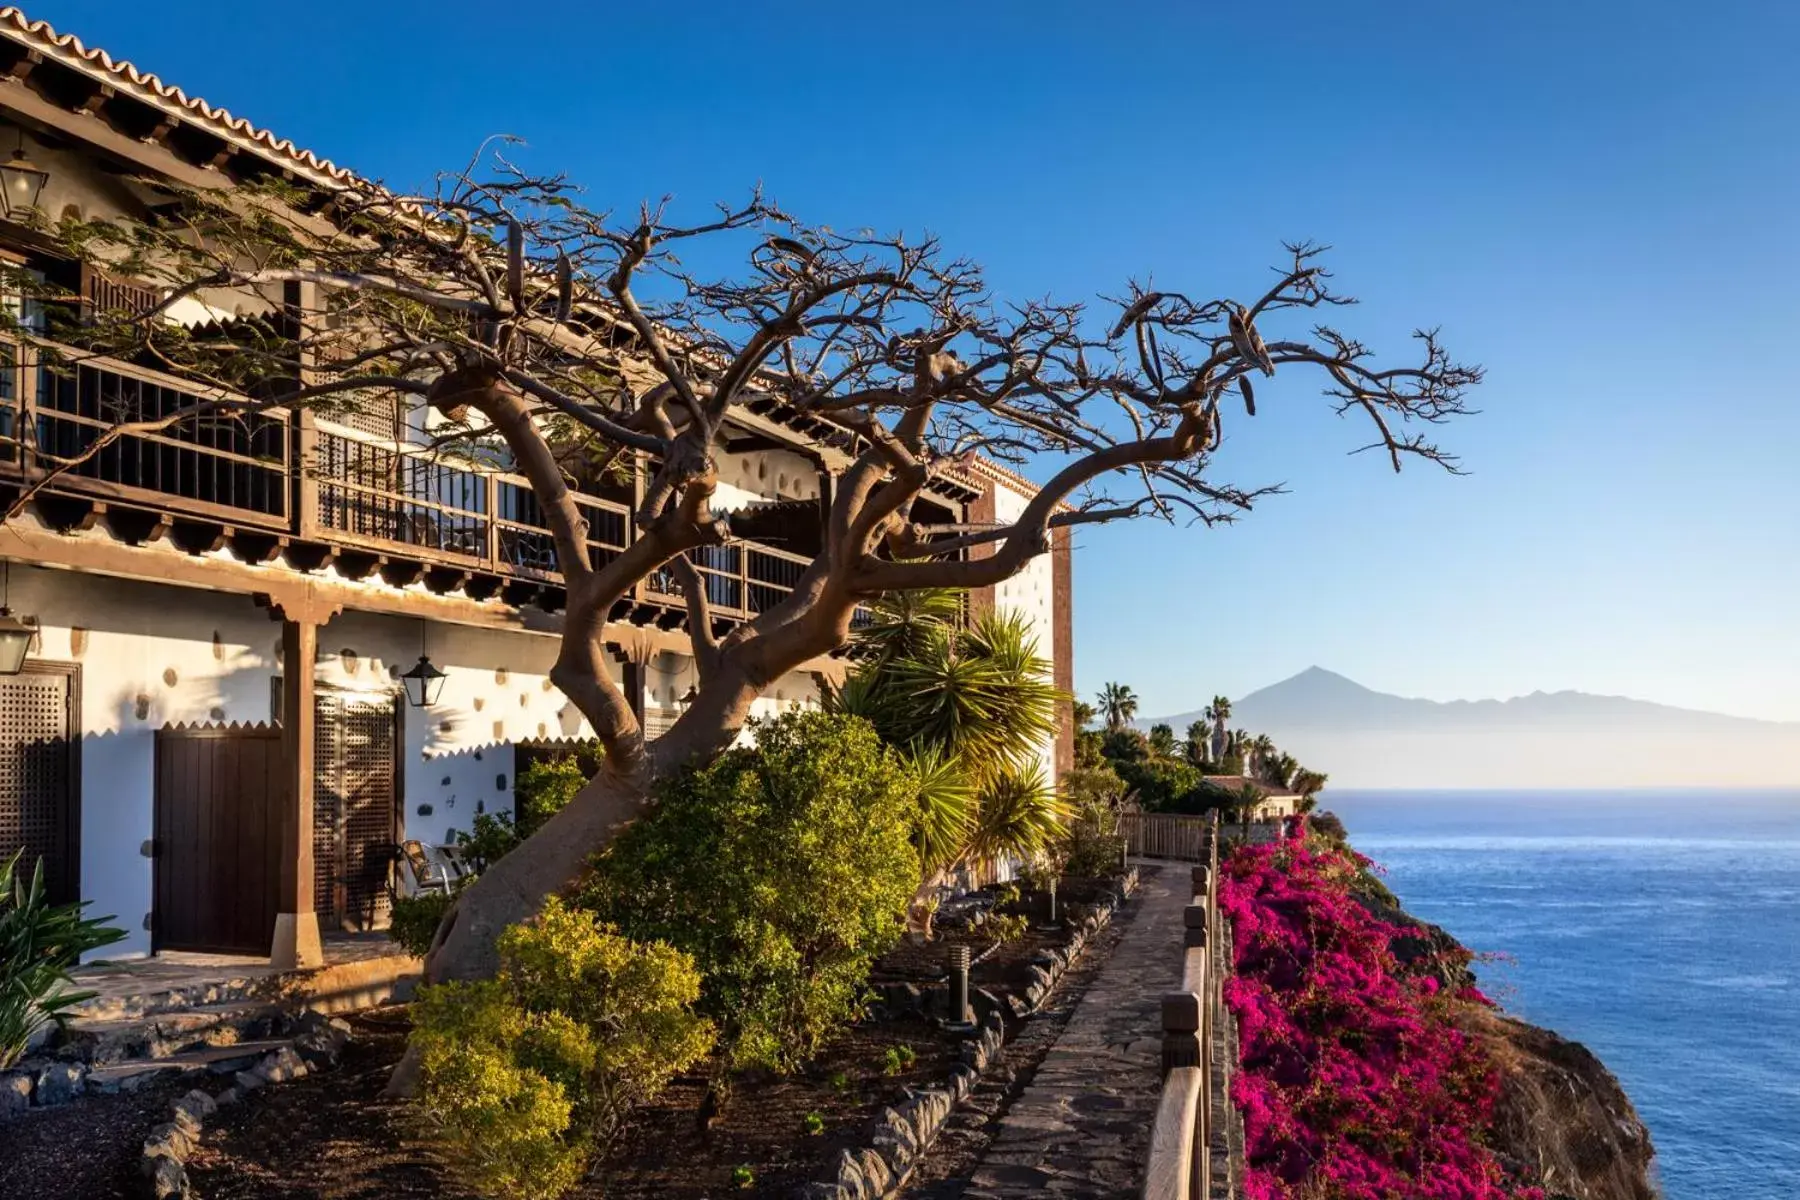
1565 738
1323 699
1314 681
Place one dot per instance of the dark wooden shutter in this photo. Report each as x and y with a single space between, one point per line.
39 774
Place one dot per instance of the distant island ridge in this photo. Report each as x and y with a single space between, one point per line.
1368 739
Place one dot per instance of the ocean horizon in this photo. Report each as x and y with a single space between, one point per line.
1658 927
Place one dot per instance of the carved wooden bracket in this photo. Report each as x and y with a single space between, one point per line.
301 603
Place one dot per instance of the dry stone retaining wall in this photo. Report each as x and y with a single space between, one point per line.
906 1131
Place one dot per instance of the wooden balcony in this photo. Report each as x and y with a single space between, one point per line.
286 483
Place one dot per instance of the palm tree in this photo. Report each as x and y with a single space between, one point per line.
1257 754
1309 784
971 707
1199 743
1162 741
1118 705
1243 803
1082 713
1218 712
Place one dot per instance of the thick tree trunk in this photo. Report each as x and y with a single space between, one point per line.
514 888
553 858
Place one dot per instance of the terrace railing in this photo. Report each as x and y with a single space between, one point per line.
289 473
1167 835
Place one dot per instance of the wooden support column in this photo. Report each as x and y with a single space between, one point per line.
301 302
631 655
634 689
827 495
984 512
638 482
296 942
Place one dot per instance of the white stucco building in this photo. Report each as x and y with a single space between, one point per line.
159 752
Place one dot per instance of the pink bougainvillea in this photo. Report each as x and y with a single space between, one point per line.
1355 1083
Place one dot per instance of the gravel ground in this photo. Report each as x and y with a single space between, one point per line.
85 1150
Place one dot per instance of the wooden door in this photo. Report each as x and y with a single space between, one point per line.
356 805
40 757
221 794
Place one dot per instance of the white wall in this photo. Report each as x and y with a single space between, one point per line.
668 677
1032 594
763 475
152 655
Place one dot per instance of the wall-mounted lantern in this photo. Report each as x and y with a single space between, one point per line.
424 683
21 183
15 635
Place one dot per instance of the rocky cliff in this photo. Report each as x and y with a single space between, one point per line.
1562 1117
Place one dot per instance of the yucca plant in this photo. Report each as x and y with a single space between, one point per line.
1020 816
899 621
948 804
969 706
39 943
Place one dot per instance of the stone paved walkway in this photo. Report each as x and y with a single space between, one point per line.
1081 1125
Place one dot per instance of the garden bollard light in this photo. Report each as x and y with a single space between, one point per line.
1050 903
959 985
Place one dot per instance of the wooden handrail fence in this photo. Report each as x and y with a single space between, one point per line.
1196 1145
1167 835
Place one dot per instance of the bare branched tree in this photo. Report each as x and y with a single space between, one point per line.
559 334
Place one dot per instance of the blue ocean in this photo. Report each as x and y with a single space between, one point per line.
1660 928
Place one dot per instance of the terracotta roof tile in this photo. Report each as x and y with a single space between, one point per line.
1236 783
124 76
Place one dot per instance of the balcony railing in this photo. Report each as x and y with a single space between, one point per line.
283 472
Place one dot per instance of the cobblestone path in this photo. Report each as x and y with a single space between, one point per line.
1068 1110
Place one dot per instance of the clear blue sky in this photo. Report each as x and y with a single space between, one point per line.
1598 201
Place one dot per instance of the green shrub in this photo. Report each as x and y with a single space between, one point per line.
544 788
415 921
814 1124
490 837
528 1073
1161 784
39 942
898 1058
784 869
743 1177
1095 797
1009 927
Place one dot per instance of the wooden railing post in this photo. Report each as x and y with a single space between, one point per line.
1194 921
26 400
492 520
1181 1031
303 455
